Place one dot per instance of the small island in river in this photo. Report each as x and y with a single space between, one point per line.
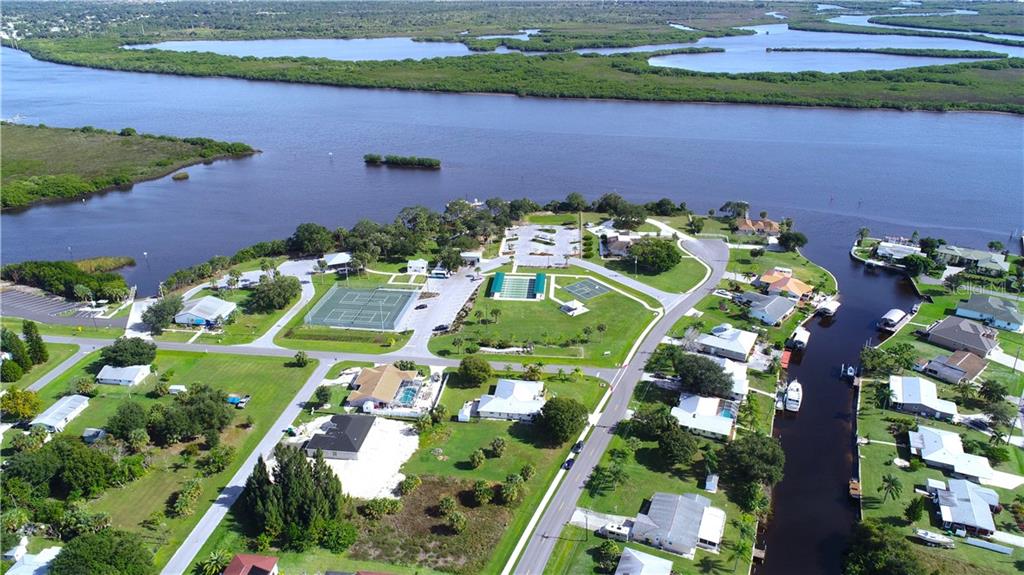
402 161
41 164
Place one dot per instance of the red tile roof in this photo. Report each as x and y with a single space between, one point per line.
244 564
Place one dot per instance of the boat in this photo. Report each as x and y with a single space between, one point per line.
799 338
828 309
892 319
933 539
851 372
794 396
855 490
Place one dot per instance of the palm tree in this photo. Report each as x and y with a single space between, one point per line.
215 563
966 391
561 374
883 395
891 487
577 373
745 533
479 315
457 342
862 234
496 314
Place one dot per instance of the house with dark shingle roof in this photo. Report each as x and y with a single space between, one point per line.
957 333
991 310
342 437
954 368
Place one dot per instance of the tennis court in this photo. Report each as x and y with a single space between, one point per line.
587 289
377 309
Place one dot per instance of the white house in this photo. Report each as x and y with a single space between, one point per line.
207 310
706 416
994 311
338 261
127 376
918 395
176 389
633 562
944 450
57 416
38 564
512 399
727 341
738 372
966 506
680 524
416 267
895 252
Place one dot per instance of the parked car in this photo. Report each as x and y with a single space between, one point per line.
441 327
568 463
422 306
578 447
979 424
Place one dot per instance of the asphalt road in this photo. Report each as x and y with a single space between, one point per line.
559 511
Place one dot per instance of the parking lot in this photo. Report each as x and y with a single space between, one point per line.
544 246
29 304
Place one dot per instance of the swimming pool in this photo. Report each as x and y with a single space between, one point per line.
407 395
728 413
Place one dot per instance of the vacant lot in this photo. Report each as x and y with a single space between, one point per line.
58 353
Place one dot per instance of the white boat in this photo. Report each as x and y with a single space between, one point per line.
934 539
794 396
828 309
851 372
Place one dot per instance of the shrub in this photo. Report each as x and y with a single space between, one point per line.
409 484
379 507
337 536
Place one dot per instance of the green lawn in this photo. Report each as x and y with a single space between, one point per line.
271 385
298 335
713 314
14 323
741 261
683 277
58 353
712 226
542 323
570 219
245 327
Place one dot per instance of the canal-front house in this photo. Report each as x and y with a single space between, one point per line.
977 261
957 333
727 341
894 252
680 524
919 396
957 367
991 310
762 227
941 449
710 417
965 506
770 309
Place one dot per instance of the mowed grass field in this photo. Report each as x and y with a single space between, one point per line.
683 277
246 326
271 385
543 324
58 353
716 310
15 323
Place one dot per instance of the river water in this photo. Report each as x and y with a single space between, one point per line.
958 176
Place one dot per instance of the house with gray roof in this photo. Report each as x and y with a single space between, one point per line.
58 415
957 333
680 523
978 261
342 437
633 562
770 309
967 506
919 396
954 368
944 450
991 310
207 310
892 251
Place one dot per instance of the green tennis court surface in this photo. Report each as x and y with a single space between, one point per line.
378 309
586 289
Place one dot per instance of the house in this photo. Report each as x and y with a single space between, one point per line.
680 523
472 258
245 564
92 435
58 415
416 267
919 396
762 227
894 252
944 450
512 399
573 308
978 261
176 389
205 311
338 261
126 376
711 417
379 385
618 244
991 310
957 367
968 507
37 564
633 562
727 341
769 309
342 437
956 333
780 281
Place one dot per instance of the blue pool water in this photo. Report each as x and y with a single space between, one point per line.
407 395
727 413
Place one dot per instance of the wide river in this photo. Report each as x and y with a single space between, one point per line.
959 176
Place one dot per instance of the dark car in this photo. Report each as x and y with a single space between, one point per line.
442 327
568 463
422 306
578 447
978 424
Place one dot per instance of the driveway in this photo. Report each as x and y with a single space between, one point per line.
1001 357
592 520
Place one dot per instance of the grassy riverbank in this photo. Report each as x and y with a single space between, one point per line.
922 52
990 85
42 164
1001 18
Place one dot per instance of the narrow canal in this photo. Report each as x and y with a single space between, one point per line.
813 514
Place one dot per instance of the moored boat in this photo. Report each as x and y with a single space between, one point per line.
794 396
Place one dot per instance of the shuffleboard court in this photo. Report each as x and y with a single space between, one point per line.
586 289
376 309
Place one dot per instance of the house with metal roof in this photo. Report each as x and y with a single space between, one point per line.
990 310
944 450
127 376
513 399
342 437
246 564
894 252
957 333
769 309
207 310
967 506
633 562
737 371
338 260
919 396
978 261
680 523
57 416
956 367
727 341
711 417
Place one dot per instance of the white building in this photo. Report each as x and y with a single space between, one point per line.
58 415
633 562
680 523
706 416
573 308
176 389
512 399
943 449
472 258
416 267
918 395
207 310
895 252
338 261
38 564
727 341
127 376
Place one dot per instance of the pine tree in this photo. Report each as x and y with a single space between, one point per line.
12 344
328 487
262 499
294 477
37 351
